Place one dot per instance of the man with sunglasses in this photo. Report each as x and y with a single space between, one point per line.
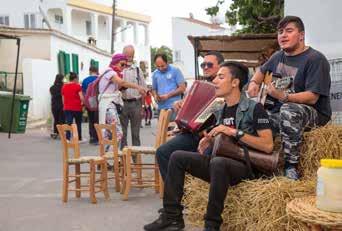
184 140
132 99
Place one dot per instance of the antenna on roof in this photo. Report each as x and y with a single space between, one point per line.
45 20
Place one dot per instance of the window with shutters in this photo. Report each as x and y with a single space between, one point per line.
75 63
30 21
63 63
94 63
4 20
88 28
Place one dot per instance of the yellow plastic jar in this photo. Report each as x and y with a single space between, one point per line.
329 185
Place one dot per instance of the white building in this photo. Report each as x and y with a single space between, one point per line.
322 31
183 51
55 38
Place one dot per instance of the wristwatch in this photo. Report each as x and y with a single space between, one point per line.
239 134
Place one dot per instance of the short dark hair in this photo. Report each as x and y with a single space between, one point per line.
218 55
72 76
162 56
238 71
294 19
93 69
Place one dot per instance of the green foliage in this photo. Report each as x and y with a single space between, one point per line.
162 49
255 16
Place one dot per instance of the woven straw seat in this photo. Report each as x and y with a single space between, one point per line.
84 159
142 149
110 155
304 209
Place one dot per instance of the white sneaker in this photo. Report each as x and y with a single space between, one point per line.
83 141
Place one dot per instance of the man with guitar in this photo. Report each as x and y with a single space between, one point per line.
306 104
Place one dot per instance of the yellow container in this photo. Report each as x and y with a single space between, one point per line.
329 185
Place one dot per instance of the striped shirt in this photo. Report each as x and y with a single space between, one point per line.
130 75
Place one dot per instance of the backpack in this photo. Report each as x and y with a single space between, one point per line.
91 101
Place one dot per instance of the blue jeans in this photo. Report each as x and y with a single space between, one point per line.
184 141
69 117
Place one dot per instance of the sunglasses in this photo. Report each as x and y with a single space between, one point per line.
123 64
208 64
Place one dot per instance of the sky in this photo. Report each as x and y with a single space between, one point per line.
161 12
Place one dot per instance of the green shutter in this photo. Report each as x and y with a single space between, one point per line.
61 63
75 63
67 63
94 63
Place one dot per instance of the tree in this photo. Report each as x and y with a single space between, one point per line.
163 49
255 16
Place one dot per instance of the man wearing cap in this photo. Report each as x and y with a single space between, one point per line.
132 99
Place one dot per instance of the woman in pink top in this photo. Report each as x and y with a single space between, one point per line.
109 94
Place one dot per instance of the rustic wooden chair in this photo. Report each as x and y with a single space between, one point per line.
76 160
114 153
129 151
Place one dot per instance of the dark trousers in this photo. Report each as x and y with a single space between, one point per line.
58 118
221 172
131 112
93 118
69 117
184 141
148 113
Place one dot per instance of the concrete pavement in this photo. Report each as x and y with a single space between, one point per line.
31 183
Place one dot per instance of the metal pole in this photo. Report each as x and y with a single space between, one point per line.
113 27
14 88
196 58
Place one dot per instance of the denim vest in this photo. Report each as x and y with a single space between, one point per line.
244 115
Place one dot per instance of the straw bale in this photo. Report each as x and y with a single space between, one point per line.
260 204
324 142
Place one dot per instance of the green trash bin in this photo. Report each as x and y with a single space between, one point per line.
20 111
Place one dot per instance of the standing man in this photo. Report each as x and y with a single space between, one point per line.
242 119
185 140
133 100
307 103
167 84
93 116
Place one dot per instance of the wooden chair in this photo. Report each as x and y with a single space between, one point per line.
114 154
76 160
129 151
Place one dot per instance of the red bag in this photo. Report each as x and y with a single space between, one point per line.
91 96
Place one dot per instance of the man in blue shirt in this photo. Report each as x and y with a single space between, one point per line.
93 116
167 84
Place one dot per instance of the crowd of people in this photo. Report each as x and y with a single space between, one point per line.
124 97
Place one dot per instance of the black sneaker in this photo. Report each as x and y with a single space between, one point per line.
165 224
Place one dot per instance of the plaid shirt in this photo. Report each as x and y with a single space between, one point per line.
130 75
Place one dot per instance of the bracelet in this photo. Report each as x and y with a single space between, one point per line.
252 80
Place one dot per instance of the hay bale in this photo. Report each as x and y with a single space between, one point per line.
324 142
251 205
260 204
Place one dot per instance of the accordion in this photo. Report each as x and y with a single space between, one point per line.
197 112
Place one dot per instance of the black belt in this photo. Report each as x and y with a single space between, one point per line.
131 100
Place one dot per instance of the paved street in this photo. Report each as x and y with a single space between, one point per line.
30 186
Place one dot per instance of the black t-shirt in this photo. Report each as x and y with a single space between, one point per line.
260 117
310 71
